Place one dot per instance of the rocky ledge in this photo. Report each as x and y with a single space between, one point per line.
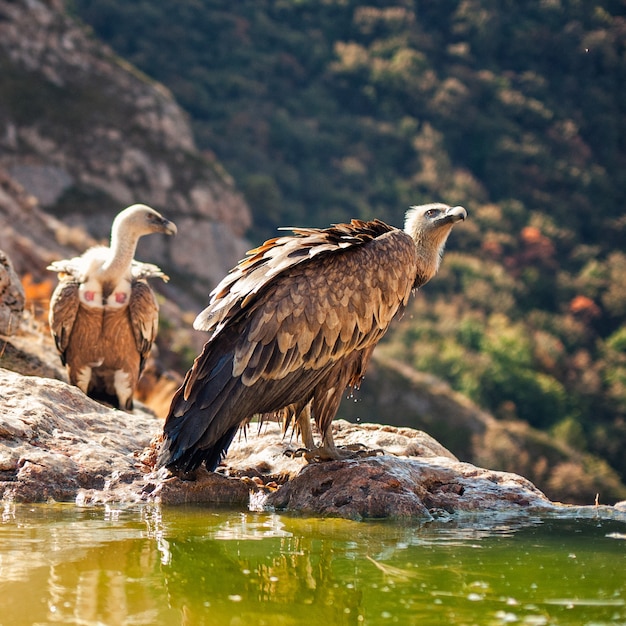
57 444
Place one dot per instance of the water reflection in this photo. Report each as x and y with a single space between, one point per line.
89 586
65 565
250 564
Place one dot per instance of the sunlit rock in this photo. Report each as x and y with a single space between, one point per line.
390 486
55 441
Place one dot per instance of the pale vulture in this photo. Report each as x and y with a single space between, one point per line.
103 314
294 324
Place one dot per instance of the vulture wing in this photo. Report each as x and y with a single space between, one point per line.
70 267
63 309
263 264
144 318
283 321
140 270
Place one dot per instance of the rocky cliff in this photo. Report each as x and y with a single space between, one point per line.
87 134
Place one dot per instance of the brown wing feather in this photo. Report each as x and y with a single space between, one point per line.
240 288
64 305
348 303
144 317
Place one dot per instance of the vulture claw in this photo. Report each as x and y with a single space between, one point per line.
295 454
341 453
365 452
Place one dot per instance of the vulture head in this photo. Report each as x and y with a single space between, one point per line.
429 226
138 220
129 225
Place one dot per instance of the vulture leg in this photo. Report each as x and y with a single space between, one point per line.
325 452
328 451
124 384
80 377
325 407
303 422
326 399
303 428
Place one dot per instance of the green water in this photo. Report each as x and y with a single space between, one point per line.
61 564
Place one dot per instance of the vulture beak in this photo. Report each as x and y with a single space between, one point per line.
452 215
169 228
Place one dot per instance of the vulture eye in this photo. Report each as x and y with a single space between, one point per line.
432 212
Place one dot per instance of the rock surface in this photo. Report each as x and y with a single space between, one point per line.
30 237
55 443
390 486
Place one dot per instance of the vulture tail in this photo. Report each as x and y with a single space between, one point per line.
203 417
101 395
212 456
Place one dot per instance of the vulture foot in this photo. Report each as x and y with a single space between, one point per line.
333 453
294 454
360 450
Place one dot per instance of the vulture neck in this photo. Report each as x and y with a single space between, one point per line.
429 253
121 253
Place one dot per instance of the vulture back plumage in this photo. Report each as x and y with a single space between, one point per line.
294 324
104 315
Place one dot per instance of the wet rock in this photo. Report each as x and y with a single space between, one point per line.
389 486
415 476
55 443
394 393
265 451
207 487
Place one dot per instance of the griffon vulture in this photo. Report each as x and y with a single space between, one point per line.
103 314
294 324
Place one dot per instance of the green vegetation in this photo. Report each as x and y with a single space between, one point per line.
325 110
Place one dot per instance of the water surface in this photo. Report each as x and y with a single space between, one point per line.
62 564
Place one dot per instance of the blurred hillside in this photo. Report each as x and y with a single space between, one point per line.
323 111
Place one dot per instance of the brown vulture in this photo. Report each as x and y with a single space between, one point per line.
294 324
104 315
